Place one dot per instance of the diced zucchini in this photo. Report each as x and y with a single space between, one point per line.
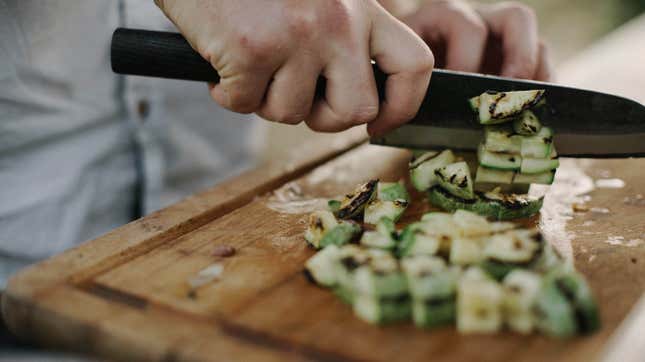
384 237
320 223
333 206
378 209
515 246
539 145
527 124
391 191
474 104
429 277
554 315
520 290
479 301
496 106
487 179
341 234
382 311
455 178
470 224
422 169
350 258
538 165
345 294
381 277
502 139
437 217
416 239
434 312
353 204
466 251
498 161
507 206
544 178
321 266
549 258
574 288
502 226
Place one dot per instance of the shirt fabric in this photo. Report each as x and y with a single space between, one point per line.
82 150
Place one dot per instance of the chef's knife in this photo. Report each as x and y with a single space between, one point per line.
586 123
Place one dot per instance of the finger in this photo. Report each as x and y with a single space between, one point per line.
350 95
516 25
290 95
545 65
241 92
466 42
408 62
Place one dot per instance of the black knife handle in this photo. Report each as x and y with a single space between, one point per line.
168 55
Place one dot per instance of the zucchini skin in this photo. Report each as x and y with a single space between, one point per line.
343 233
496 210
392 191
434 312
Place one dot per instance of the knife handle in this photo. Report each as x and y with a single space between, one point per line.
168 55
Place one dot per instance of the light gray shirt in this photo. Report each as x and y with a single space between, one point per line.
82 150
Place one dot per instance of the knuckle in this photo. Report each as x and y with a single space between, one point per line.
424 62
292 118
359 115
253 49
301 24
479 29
241 103
521 11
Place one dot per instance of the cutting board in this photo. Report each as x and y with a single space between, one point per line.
127 295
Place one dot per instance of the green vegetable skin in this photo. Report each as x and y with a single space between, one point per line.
455 178
342 234
391 191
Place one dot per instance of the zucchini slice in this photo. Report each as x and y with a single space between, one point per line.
455 178
527 124
391 191
497 106
333 206
486 179
416 239
422 168
538 165
520 290
378 209
353 204
382 311
350 258
498 161
511 250
479 301
544 178
345 295
320 223
502 139
448 202
384 237
381 277
554 315
321 266
539 145
343 233
508 206
429 277
434 312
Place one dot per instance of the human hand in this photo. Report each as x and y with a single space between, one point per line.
269 55
501 38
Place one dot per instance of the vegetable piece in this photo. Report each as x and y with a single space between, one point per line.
333 206
496 107
434 312
491 204
474 104
345 294
538 165
520 290
341 234
544 178
498 161
422 168
378 209
350 258
479 301
384 237
466 251
554 316
429 277
527 124
470 224
539 145
320 222
417 240
381 277
575 289
321 266
488 179
508 251
353 204
502 139
455 178
382 311
392 191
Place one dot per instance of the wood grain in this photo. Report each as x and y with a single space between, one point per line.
125 295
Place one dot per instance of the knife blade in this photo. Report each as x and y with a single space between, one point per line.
586 123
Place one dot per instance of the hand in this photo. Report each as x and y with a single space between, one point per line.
501 38
269 55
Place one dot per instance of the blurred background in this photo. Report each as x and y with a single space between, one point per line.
567 26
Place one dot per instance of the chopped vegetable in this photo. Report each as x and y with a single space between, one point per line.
498 107
354 203
422 169
320 223
455 178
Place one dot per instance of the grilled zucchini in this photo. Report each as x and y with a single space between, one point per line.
527 124
353 204
384 237
422 168
497 107
520 290
455 178
479 301
321 266
320 223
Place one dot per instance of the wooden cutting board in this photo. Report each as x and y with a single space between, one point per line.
126 295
